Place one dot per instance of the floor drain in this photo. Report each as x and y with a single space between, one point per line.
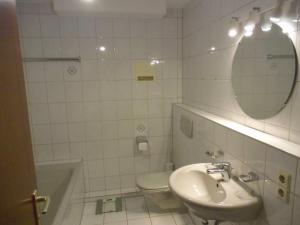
108 205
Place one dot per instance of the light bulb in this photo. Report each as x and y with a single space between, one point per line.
102 48
248 33
252 20
234 27
232 32
249 27
266 25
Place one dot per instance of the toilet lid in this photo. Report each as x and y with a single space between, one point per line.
153 181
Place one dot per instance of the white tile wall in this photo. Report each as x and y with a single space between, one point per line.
207 77
207 85
245 155
93 113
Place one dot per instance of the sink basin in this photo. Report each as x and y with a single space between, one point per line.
211 198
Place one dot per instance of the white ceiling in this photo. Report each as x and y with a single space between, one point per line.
132 8
170 3
177 3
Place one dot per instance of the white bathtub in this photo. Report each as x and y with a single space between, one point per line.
64 183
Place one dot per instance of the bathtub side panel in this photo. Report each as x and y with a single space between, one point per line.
74 210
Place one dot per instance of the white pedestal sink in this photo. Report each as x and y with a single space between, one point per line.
211 198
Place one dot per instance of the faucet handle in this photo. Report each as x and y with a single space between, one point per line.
222 164
214 154
209 153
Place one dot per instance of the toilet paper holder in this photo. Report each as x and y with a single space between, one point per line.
141 139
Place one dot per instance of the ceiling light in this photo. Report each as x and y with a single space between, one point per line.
88 0
252 20
266 25
277 11
234 27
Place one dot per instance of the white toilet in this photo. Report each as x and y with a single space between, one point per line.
155 188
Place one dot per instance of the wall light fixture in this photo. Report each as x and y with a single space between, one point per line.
234 28
266 24
252 20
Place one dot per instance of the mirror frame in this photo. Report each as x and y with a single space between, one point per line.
291 92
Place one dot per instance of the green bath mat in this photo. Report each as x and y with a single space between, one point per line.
108 205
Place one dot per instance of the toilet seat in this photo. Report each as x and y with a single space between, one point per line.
155 188
154 182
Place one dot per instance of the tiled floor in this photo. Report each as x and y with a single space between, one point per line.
135 212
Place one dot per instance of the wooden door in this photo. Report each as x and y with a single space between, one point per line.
16 160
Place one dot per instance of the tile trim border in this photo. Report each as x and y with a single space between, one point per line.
276 142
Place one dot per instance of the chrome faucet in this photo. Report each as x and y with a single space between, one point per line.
221 167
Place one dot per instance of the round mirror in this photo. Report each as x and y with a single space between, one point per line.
264 72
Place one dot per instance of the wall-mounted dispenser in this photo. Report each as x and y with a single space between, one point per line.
142 144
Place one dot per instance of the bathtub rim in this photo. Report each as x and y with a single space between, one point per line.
66 200
59 162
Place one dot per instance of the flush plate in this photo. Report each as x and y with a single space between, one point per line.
186 126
